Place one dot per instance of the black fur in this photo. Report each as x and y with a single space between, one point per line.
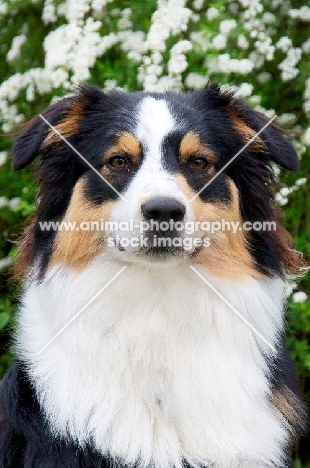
25 440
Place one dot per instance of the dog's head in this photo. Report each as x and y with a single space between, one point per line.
134 172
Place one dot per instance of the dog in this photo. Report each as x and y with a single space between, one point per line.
132 350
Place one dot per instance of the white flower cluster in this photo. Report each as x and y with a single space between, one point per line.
288 66
302 13
282 196
72 48
196 81
75 48
16 45
307 96
212 13
223 63
12 204
299 296
170 19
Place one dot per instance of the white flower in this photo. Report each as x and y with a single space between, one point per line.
76 10
3 8
285 191
49 12
3 157
196 81
200 41
306 137
109 85
285 118
289 71
265 48
124 22
299 296
269 18
212 13
306 47
198 4
177 63
224 64
290 286
5 262
245 90
227 25
15 49
263 77
3 202
284 44
219 42
13 203
280 199
302 13
301 181
98 6
242 42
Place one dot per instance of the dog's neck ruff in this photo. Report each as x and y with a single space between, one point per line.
158 369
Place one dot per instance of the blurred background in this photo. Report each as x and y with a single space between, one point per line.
260 48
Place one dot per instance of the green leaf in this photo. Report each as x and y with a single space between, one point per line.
4 319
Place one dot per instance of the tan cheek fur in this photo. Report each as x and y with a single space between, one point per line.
227 255
76 249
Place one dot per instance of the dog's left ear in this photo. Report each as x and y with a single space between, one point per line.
278 148
28 144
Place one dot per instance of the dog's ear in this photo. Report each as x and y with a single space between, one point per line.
275 145
29 142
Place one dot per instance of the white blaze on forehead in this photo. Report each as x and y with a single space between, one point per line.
154 123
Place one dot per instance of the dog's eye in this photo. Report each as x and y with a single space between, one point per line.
118 162
199 163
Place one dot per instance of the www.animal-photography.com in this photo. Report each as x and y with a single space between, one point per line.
154 234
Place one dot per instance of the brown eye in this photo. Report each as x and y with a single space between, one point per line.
199 163
118 162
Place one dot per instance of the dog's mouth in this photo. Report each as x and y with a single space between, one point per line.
158 246
162 247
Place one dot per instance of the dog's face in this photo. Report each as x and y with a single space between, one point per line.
151 197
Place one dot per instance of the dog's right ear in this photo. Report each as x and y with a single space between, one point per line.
28 144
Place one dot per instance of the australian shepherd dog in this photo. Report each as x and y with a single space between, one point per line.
151 326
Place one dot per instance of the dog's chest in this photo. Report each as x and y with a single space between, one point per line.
158 373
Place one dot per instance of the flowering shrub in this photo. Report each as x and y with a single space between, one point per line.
261 47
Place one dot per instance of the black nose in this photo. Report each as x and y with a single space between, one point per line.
163 209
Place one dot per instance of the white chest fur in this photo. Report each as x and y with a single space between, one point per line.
158 368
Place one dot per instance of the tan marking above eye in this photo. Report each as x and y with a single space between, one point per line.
246 133
191 145
67 127
126 145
